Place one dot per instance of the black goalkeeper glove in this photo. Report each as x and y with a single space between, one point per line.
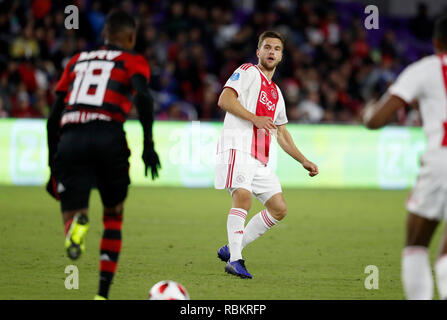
150 158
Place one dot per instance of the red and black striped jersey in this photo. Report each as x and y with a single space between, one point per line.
98 84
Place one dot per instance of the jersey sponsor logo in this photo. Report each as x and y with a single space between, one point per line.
265 100
83 117
266 106
235 76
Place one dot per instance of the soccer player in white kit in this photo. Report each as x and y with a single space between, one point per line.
255 110
426 82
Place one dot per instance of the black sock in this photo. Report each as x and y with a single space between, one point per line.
105 280
110 250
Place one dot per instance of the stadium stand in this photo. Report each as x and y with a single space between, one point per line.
331 65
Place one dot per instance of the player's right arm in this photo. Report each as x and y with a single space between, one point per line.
228 101
53 122
378 114
54 118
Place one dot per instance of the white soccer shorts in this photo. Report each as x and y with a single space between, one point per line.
428 198
237 169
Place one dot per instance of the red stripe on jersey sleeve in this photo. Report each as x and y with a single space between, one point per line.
246 66
137 65
67 76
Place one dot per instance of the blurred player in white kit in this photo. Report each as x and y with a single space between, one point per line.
424 81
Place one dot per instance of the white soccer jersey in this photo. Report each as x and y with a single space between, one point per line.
426 82
260 96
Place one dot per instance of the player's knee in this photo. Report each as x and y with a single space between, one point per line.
419 230
242 199
114 211
412 241
279 212
243 204
282 213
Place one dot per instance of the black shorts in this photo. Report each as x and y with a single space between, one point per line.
91 155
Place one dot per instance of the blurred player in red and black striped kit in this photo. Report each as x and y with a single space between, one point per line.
86 141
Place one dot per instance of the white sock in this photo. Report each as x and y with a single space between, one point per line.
441 276
416 273
235 229
256 227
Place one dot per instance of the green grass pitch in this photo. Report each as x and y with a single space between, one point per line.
319 251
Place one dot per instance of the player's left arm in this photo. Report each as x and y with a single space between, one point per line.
144 103
377 114
139 74
286 142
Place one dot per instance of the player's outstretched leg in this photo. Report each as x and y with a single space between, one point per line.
441 269
110 249
76 227
416 271
276 210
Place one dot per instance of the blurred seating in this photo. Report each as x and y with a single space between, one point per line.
331 64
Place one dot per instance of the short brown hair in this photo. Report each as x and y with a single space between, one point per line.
270 34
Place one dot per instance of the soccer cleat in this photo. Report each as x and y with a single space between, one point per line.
98 297
224 253
237 268
75 239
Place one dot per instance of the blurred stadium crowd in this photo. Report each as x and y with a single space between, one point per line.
331 64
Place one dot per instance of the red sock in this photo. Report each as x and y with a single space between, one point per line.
67 226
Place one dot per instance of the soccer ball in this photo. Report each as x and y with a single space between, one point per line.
168 290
